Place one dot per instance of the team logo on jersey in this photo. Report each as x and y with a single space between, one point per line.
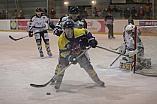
43 17
69 46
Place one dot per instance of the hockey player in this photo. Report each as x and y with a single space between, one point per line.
70 46
73 15
128 36
128 46
38 24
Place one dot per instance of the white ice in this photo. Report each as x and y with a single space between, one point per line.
21 65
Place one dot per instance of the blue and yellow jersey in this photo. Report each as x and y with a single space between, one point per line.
73 46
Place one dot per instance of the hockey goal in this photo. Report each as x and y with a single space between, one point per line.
145 40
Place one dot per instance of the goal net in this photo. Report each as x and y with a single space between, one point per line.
145 40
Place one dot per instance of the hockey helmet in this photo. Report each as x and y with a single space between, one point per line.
38 10
68 24
131 21
74 10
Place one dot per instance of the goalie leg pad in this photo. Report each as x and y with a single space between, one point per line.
144 62
122 49
126 63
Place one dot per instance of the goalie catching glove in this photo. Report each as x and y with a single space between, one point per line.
30 33
92 42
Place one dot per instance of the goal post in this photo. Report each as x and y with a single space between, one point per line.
144 32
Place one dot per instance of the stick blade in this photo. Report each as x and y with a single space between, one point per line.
12 38
35 85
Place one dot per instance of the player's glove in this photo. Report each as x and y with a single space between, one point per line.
93 43
58 32
52 25
30 33
85 42
72 59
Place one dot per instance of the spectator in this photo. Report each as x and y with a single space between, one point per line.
53 14
104 12
120 12
95 12
114 9
127 13
147 10
133 11
45 11
15 14
84 14
109 23
3 15
19 16
141 13
109 9
137 16
99 13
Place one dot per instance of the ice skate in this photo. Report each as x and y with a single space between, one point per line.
57 85
101 83
49 53
41 54
98 81
113 37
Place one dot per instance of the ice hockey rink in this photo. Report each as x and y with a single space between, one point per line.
21 65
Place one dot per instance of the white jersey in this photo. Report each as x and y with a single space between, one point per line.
59 26
129 39
38 23
78 24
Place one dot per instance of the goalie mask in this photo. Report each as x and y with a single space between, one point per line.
129 29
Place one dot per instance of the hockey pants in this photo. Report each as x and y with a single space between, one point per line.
84 63
45 37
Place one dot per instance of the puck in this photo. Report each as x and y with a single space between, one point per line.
48 93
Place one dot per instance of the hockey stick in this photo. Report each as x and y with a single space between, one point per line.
55 76
24 36
112 51
18 38
115 60
115 48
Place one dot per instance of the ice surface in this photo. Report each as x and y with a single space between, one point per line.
21 65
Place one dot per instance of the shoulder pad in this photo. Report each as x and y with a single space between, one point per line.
33 18
44 16
64 18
